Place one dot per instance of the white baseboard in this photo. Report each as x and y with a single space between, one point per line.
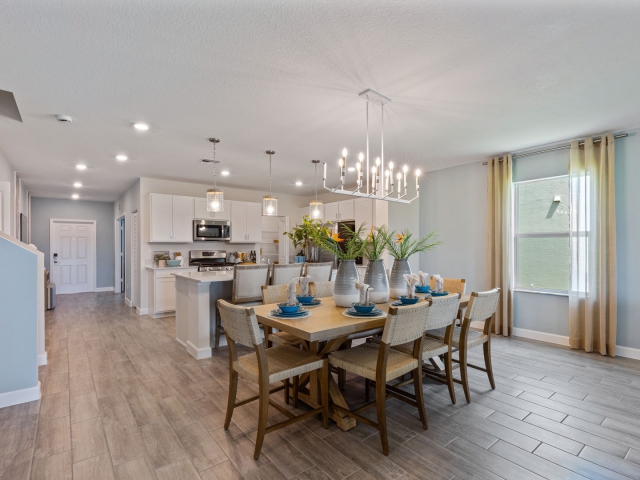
181 342
103 289
127 302
42 359
198 353
142 311
628 352
541 336
20 396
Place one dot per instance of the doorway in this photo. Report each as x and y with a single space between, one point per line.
72 250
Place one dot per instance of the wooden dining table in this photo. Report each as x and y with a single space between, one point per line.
322 333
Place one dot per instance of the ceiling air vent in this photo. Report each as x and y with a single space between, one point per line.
208 160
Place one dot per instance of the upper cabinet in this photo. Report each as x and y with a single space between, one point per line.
331 212
171 218
246 222
201 211
339 211
364 213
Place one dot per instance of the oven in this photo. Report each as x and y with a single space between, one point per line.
210 261
211 230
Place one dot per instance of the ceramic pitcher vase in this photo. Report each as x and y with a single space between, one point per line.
398 285
376 278
345 292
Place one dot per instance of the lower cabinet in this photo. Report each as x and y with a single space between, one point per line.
162 291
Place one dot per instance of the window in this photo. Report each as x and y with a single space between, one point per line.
541 250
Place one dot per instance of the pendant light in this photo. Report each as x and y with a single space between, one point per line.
269 202
215 197
315 206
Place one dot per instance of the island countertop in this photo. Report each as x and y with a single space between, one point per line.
206 277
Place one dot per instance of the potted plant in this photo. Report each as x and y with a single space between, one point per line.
400 246
376 275
303 235
346 250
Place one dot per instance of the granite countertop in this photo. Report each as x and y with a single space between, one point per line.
170 268
206 277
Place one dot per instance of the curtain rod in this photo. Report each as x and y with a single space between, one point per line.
561 147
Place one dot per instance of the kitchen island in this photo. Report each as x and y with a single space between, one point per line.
196 297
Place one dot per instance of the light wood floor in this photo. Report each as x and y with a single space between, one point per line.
121 399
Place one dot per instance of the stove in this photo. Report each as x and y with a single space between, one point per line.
210 260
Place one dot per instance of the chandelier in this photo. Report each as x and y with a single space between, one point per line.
374 181
269 202
314 205
215 197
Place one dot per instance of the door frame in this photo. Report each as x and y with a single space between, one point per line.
117 270
93 241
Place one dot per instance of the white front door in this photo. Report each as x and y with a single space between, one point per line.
72 256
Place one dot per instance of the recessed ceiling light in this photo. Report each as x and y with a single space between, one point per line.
143 127
77 184
81 166
298 183
122 158
351 169
75 196
224 172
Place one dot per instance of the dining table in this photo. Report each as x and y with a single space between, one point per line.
321 333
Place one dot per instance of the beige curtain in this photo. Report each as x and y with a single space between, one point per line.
499 241
592 292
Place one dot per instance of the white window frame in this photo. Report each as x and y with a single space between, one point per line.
517 236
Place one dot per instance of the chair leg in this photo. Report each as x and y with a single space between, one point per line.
231 402
263 414
287 384
463 372
296 384
381 400
417 385
324 387
448 370
487 363
367 389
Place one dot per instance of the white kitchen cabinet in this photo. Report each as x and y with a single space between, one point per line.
346 210
182 219
364 213
246 222
162 291
254 222
331 211
170 218
201 212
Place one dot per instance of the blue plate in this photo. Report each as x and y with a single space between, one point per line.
397 303
423 289
375 313
278 313
441 294
311 303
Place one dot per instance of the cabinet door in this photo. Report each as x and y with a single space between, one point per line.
238 222
364 213
254 222
200 209
283 244
165 294
182 219
160 228
226 212
331 212
346 210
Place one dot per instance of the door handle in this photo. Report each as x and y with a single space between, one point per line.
55 258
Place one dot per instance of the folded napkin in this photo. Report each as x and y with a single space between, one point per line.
364 290
291 292
304 286
411 279
439 283
424 279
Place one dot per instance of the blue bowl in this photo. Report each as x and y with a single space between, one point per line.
305 298
364 308
409 301
284 308
421 289
173 263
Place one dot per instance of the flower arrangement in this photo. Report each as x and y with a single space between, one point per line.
401 246
376 243
303 235
349 248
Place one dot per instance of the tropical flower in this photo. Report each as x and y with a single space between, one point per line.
400 237
336 238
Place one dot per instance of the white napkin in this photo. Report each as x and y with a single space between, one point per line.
291 292
411 280
439 283
364 289
424 279
304 286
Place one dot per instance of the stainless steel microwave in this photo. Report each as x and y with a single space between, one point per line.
211 230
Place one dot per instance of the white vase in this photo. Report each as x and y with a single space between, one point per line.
345 292
396 281
376 278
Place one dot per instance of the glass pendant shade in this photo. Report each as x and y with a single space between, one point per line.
315 210
269 206
215 200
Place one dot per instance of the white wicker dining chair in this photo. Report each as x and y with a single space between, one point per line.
381 363
482 306
266 366
321 289
283 274
278 294
318 272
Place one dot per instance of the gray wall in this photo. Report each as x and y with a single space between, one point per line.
43 209
19 317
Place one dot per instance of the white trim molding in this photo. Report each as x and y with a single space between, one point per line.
627 352
103 289
42 359
142 311
20 396
127 302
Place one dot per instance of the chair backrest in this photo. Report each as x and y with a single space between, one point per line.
247 283
321 289
319 272
452 285
442 311
482 306
405 324
240 324
274 294
283 274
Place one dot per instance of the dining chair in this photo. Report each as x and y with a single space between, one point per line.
453 285
266 366
482 306
318 272
441 314
283 274
278 294
247 289
381 363
321 289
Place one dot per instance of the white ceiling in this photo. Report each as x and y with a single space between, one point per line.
468 79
